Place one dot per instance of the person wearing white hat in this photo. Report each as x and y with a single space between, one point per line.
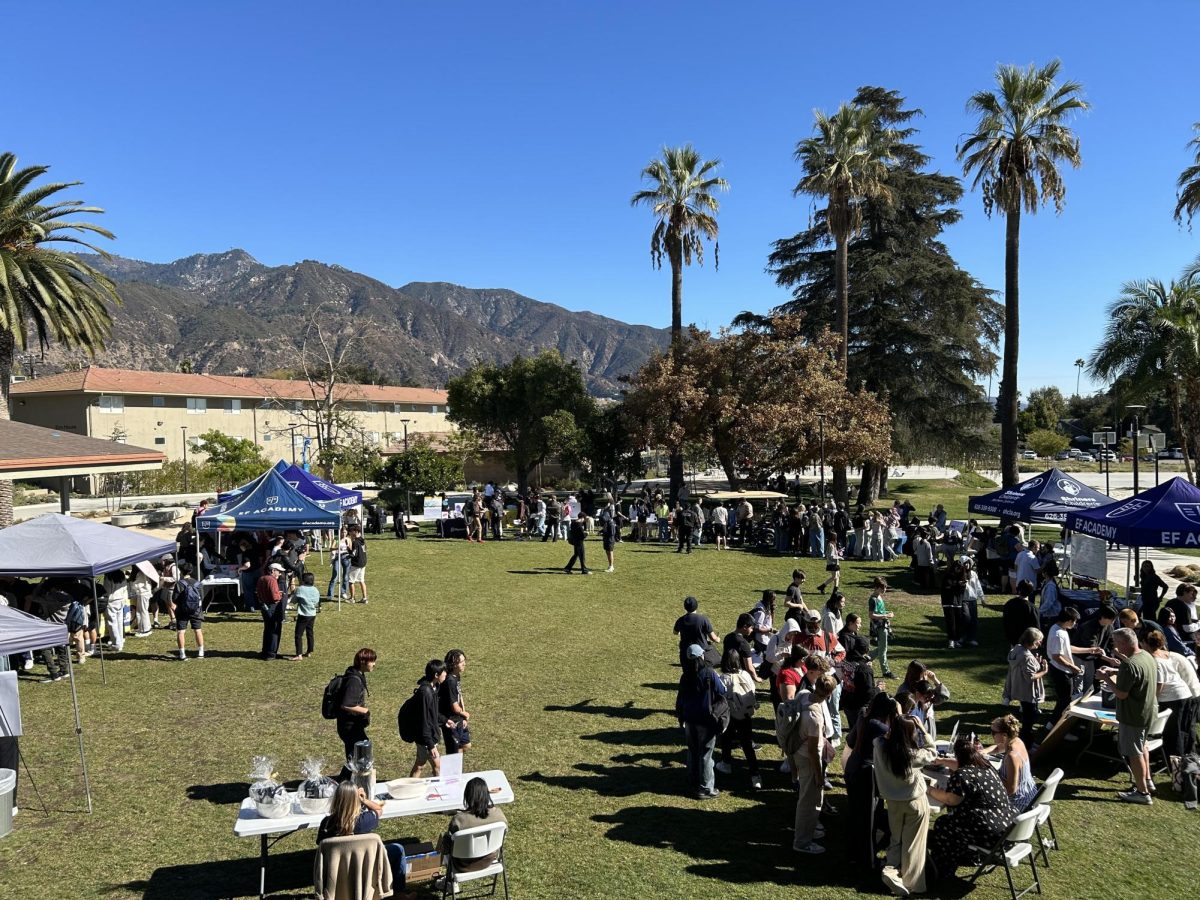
270 599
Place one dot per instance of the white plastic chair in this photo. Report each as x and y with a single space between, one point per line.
1008 852
474 843
1041 805
1154 741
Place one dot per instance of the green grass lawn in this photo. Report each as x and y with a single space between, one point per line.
572 686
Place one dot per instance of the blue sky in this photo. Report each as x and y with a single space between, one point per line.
497 145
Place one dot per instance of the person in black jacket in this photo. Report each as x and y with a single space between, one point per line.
353 716
432 719
576 538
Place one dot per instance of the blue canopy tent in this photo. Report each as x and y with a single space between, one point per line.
306 483
271 504
1049 497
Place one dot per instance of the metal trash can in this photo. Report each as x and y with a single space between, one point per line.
8 787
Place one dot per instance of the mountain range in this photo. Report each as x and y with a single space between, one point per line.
227 313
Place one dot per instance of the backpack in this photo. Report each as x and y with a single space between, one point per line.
76 617
358 553
331 700
187 597
787 726
411 718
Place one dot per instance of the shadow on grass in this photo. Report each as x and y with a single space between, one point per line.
553 570
618 780
227 793
627 711
287 874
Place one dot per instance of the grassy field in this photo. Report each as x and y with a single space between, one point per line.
572 686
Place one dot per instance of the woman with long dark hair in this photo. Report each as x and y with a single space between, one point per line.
740 693
866 813
978 811
477 810
898 761
700 706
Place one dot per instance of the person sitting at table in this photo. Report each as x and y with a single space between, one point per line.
897 769
353 812
1175 642
1015 770
978 811
477 810
908 705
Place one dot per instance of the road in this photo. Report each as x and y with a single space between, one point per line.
88 504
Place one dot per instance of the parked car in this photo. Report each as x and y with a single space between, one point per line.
1074 453
1065 454
1107 454
1029 454
1172 453
1085 457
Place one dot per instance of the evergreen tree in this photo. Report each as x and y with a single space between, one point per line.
921 330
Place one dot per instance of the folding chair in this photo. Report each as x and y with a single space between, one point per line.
474 843
1010 850
1154 741
340 854
1041 805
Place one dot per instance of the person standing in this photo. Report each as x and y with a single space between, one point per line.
609 532
720 526
898 762
808 764
452 707
1135 685
1065 673
684 525
701 694
577 539
353 715
745 523
1187 613
432 720
742 699
552 513
339 565
881 624
833 565
249 563
270 601
189 610
693 628
497 509
358 564
140 591
1025 682
167 576
308 604
116 590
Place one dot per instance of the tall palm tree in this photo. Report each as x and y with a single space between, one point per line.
1153 340
1019 142
681 194
1079 364
44 292
1189 184
845 161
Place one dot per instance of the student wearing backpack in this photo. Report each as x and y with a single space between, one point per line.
808 763
740 691
351 710
429 729
358 563
700 706
189 610
577 539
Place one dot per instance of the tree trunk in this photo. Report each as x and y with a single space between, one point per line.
883 480
842 256
730 469
1180 430
522 479
841 485
1008 380
7 350
868 485
675 467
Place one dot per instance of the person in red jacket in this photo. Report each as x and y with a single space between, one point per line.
270 600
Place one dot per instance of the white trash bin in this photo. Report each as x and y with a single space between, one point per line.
8 787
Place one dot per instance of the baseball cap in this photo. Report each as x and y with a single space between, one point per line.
275 566
694 651
810 615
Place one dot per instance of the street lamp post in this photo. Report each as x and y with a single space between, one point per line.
1107 460
821 420
407 497
184 428
1136 430
291 429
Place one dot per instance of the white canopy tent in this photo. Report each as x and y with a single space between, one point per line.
23 633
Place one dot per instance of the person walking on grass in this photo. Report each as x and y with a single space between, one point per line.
432 721
701 694
740 693
833 564
308 604
358 564
189 610
270 601
353 716
610 531
452 706
577 538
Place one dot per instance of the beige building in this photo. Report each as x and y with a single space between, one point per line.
160 410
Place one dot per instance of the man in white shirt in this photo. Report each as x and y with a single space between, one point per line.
1065 673
720 519
1026 564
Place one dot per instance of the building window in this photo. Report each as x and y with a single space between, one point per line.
397 407
197 406
111 403
372 407
233 406
433 408
160 440
297 406
158 401
266 436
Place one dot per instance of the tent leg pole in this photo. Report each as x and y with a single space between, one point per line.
25 764
1128 563
87 785
99 643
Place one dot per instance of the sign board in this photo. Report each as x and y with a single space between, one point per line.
1088 557
1104 438
432 508
1158 441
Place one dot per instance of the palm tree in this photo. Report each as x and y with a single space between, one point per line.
845 161
681 196
44 292
1153 340
1189 184
1079 364
1014 153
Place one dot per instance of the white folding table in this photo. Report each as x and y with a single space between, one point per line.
441 795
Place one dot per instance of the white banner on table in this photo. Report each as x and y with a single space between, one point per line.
10 706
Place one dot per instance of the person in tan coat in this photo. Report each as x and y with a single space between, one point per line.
356 870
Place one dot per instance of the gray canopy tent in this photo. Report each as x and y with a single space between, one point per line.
23 633
55 544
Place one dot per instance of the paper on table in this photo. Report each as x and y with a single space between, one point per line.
10 706
452 765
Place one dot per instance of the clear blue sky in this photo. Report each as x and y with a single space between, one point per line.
497 145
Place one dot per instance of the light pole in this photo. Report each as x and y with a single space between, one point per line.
407 498
291 429
1107 459
821 420
184 428
1136 430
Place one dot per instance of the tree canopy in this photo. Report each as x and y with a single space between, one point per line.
419 470
511 403
233 461
1044 409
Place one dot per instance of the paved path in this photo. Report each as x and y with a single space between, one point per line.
88 504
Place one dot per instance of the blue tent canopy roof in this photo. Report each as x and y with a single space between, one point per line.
1048 497
270 504
1163 516
54 544
314 488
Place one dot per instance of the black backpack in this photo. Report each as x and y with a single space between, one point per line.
411 718
358 553
331 700
187 596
